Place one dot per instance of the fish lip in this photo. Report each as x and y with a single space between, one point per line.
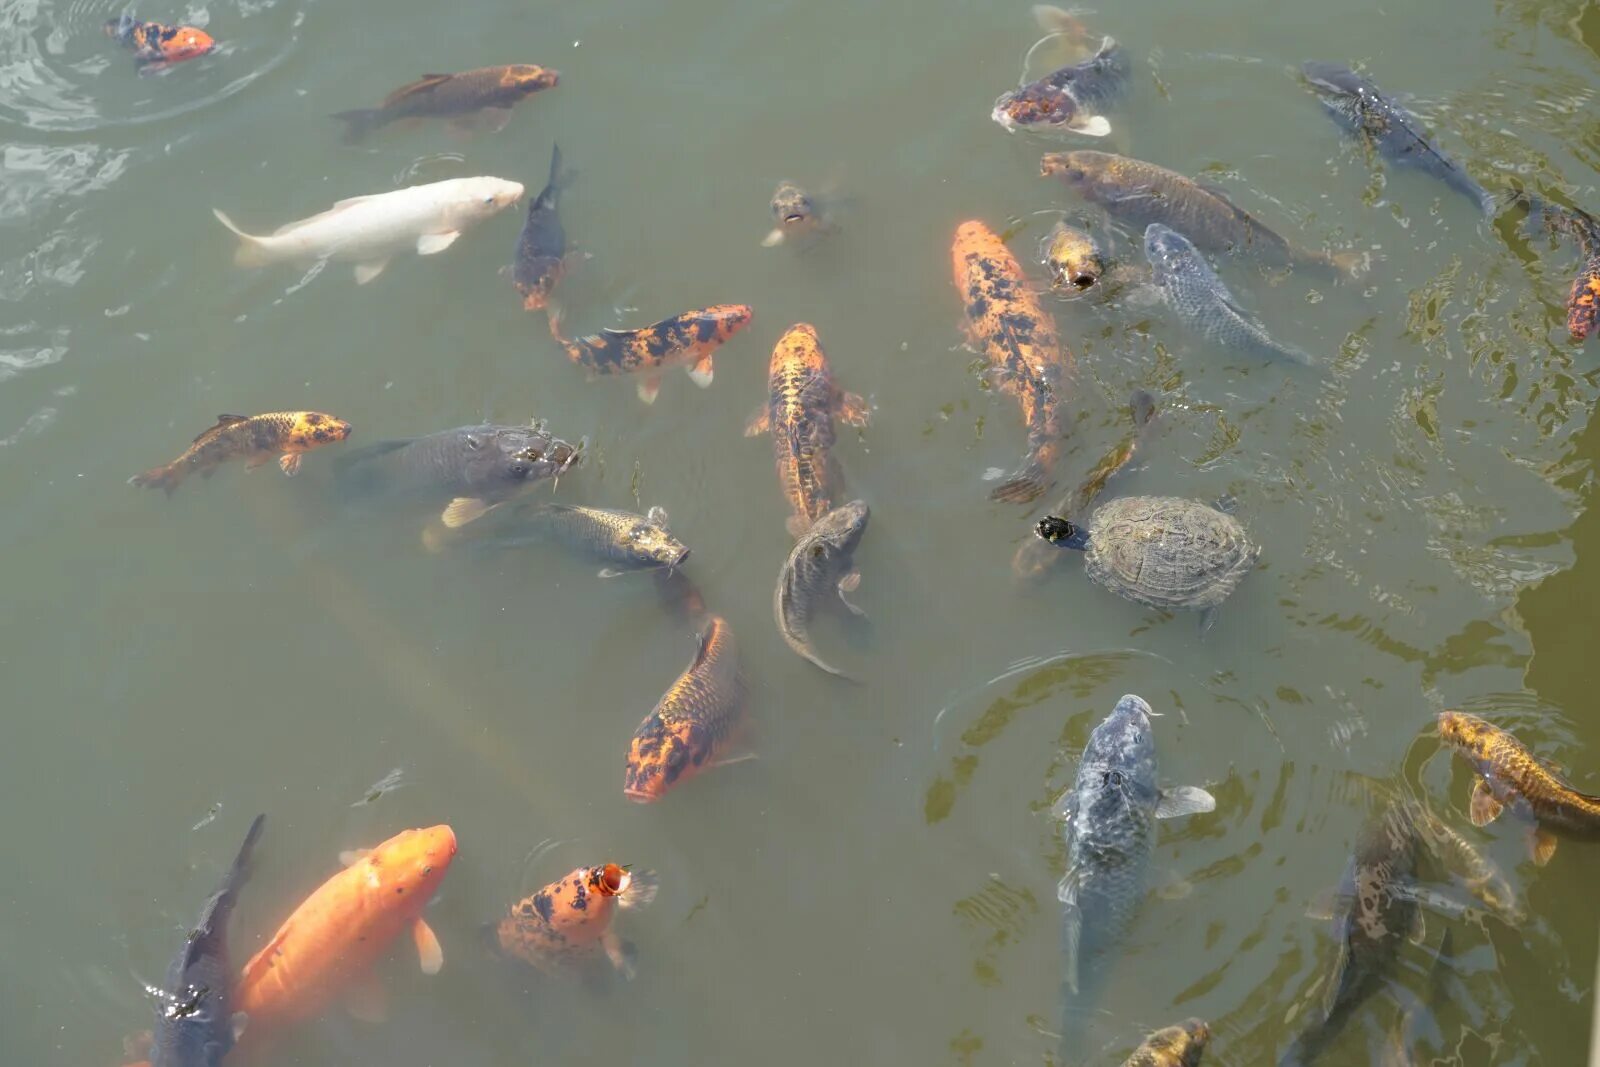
640 796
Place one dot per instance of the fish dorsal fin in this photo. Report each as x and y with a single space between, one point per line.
222 423
1184 800
656 516
421 85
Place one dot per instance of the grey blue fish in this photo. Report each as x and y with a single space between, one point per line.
822 561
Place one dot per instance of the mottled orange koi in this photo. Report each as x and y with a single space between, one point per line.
696 722
570 921
689 339
253 438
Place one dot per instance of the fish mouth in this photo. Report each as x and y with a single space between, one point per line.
1082 279
640 796
677 560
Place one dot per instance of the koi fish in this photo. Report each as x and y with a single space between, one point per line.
253 438
628 540
542 247
1173 1046
796 213
694 724
1073 257
802 400
1583 303
329 944
571 921
1061 100
1026 358
155 46
1508 775
688 339
490 91
822 561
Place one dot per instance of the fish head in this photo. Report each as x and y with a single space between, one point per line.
508 456
1036 106
1118 769
531 78
177 43
411 864
313 429
839 531
1082 170
1073 256
1469 734
719 322
792 208
608 879
653 542
1166 249
478 198
1180 1045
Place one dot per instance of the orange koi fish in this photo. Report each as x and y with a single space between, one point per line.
689 339
254 438
1026 358
802 400
156 47
331 941
695 724
1583 304
570 921
1511 776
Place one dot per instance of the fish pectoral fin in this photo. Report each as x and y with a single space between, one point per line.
289 463
737 757
429 952
1184 800
1541 845
366 999
649 388
849 584
465 509
1324 907
609 572
853 409
797 524
773 239
701 371
352 856
432 243
622 954
365 272
760 422
1483 808
1418 934
1090 125
1071 929
1065 806
238 1022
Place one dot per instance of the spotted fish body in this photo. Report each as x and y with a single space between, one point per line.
614 536
687 339
1583 303
1173 1046
570 922
252 438
156 46
802 400
1203 303
1062 101
1378 914
696 722
452 96
1026 358
822 562
542 245
1362 108
1508 775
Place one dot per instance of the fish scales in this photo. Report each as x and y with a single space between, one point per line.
255 438
1172 1046
451 96
821 562
692 726
802 399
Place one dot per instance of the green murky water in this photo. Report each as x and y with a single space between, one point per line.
879 885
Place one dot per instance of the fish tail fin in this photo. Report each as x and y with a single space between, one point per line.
1027 484
1067 21
165 478
251 252
1351 264
121 28
358 123
811 655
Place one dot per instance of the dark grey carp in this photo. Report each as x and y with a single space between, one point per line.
822 561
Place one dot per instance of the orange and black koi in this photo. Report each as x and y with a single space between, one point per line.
570 921
253 438
695 724
689 339
542 248
156 46
1026 358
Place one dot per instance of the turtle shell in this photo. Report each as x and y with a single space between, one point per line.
1168 552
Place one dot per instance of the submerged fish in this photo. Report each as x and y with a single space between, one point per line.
488 90
1377 912
1062 100
1480 875
1360 107
619 537
1202 302
802 400
542 247
1172 1046
1111 814
795 213
822 561
252 438
195 1022
1026 359
370 230
687 339
572 920
1508 775
327 947
1583 302
1073 257
695 724
1140 193
155 46
475 468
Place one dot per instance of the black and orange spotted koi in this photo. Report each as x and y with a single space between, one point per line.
688 339
695 724
157 46
569 922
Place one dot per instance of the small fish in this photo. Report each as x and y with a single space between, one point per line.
1202 302
620 537
370 230
1061 100
475 468
802 400
1378 911
155 46
1508 775
542 247
195 1023
252 438
1173 1046
687 339
490 91
1026 359
1073 257
1360 107
387 784
820 562
1139 193
570 921
695 724
795 214
1110 815
327 947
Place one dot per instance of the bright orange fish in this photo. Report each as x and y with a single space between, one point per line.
689 339
328 946
569 922
156 47
1583 305
1026 358
253 438
802 400
695 724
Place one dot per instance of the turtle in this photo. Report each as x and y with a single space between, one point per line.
1163 551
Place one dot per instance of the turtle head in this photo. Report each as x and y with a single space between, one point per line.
1061 533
